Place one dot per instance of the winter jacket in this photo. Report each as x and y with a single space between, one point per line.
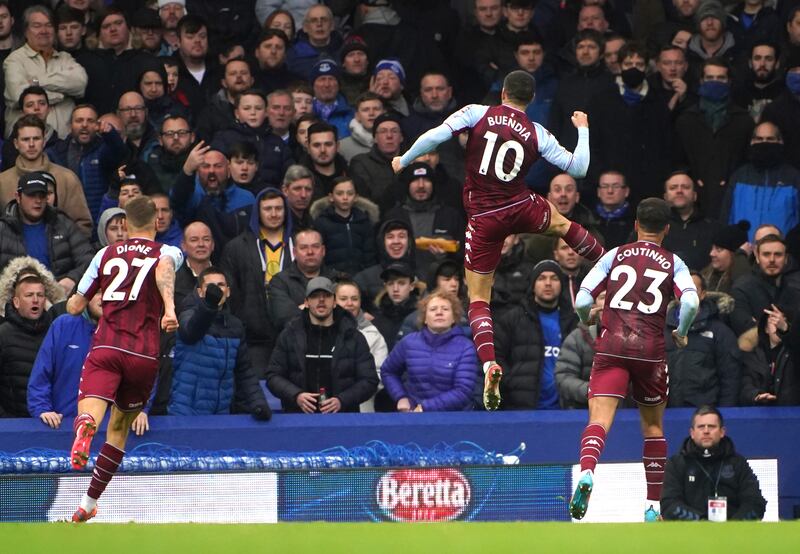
61 76
166 167
687 487
217 116
212 373
763 195
302 55
774 372
110 75
274 157
636 140
69 250
512 279
520 351
389 317
720 281
226 214
287 290
173 236
711 157
69 191
359 141
369 280
353 375
752 293
297 8
784 111
340 117
349 243
97 160
574 366
19 342
422 119
616 230
690 239
56 373
436 371
374 178
708 369
199 94
244 263
269 80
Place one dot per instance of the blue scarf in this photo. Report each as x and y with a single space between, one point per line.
631 97
324 110
616 213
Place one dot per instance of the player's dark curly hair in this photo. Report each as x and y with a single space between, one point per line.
652 215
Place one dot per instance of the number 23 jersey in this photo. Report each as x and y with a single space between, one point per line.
639 279
125 272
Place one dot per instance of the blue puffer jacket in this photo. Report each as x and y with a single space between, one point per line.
211 369
436 371
763 195
56 373
98 160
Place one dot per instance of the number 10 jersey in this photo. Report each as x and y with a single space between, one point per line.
132 306
639 279
503 145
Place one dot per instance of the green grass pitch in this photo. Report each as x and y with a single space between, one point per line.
370 538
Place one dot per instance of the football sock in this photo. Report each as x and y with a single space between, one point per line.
582 242
105 467
654 456
480 321
593 440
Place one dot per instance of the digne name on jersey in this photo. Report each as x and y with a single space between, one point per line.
122 248
510 122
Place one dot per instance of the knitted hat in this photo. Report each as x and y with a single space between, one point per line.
383 118
546 265
394 66
162 3
711 8
731 237
323 67
415 171
353 43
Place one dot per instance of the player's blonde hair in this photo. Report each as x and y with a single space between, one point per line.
141 212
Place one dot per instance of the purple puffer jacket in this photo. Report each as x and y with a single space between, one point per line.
440 370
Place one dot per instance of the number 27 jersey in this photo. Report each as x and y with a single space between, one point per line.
125 272
639 279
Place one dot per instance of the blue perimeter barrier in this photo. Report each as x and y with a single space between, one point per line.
550 436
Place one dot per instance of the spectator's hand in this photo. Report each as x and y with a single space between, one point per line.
214 297
580 119
594 315
122 172
51 419
67 284
169 321
435 249
747 248
418 408
700 183
777 319
307 401
397 165
679 340
403 405
368 316
106 127
140 424
330 406
196 158
679 87
765 398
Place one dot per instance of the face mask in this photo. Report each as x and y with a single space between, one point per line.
793 83
716 91
632 77
765 154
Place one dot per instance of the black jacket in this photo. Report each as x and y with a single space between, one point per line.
20 339
389 316
519 347
353 375
349 243
374 178
199 94
775 372
690 240
708 370
512 280
687 487
287 290
710 156
784 111
752 293
274 157
217 115
70 250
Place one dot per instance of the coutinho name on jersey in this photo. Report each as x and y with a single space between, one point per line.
654 255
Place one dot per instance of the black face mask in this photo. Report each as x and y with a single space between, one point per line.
765 154
632 77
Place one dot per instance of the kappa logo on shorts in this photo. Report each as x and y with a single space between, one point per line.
654 464
484 324
135 404
652 399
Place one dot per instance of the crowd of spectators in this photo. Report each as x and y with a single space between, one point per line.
264 131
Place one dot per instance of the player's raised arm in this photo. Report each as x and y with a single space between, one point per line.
463 119
592 285
575 163
689 302
169 262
